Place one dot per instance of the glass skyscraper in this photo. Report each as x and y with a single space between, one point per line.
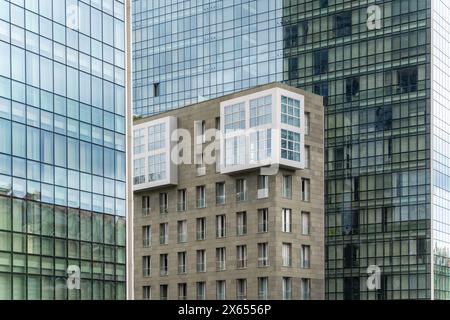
382 67
62 149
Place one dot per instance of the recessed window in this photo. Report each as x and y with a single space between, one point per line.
293 68
182 262
320 61
241 223
220 193
221 226
290 36
343 24
156 89
146 266
351 88
286 220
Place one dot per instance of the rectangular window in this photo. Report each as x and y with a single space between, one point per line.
286 220
201 290
263 288
306 223
241 253
306 187
307 157
200 131
145 206
182 231
406 80
305 257
261 111
163 264
290 145
287 187
221 259
351 288
201 260
221 226
241 190
181 205
156 89
351 88
263 254
157 137
147 292
290 111
343 24
182 291
235 150
146 266
292 68
147 236
241 223
307 123
220 193
241 289
260 146
164 233
305 289
164 292
290 36
287 288
286 255
263 187
263 220
163 202
182 262
350 222
220 290
201 197
234 117
201 228
321 89
157 167
351 255
138 139
139 171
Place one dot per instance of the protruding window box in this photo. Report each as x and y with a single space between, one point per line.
263 129
158 168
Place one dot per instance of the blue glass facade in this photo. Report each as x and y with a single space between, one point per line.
386 127
62 148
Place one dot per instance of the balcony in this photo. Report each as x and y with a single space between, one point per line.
163 209
201 235
221 233
164 239
263 227
220 265
147 243
182 237
263 193
181 206
164 271
182 269
287 262
201 203
147 272
241 263
220 200
241 196
201 267
263 262
241 230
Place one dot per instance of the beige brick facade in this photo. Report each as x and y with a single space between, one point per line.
188 179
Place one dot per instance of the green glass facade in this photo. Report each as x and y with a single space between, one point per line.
387 127
62 148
